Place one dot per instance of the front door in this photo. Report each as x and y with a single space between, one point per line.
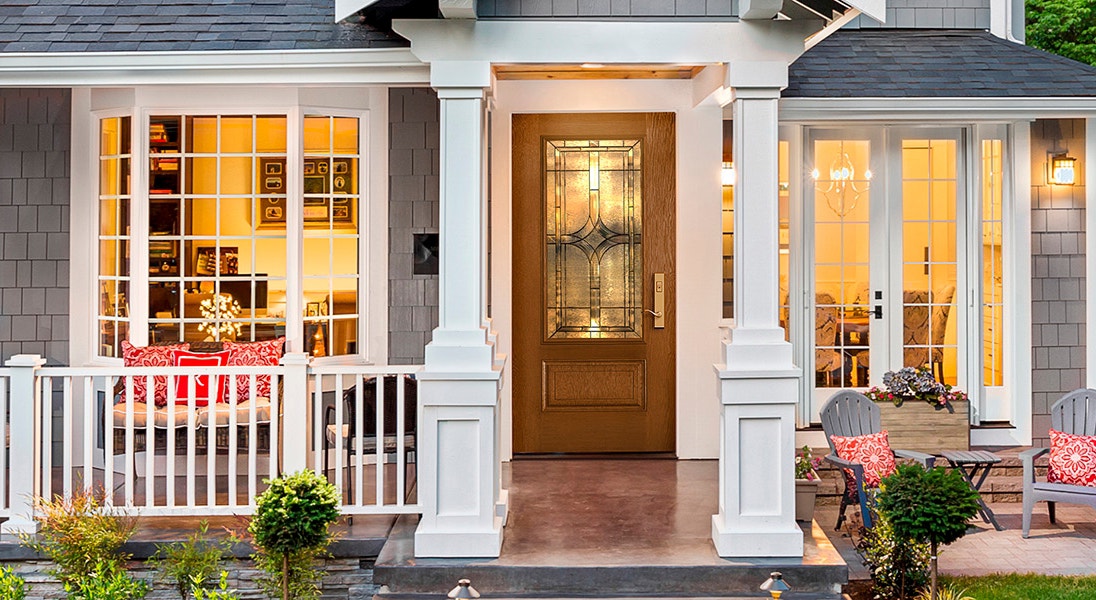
887 209
593 283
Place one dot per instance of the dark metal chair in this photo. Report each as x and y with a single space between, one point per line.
1074 413
850 413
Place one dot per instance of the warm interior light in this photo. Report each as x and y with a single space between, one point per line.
592 65
1063 169
728 174
595 174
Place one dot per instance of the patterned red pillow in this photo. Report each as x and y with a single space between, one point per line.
149 356
872 450
254 354
1072 459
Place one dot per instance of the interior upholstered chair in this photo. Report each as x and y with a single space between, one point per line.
917 330
826 359
1074 413
850 413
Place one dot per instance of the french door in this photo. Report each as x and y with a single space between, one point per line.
884 211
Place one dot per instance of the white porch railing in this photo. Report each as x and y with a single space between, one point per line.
79 427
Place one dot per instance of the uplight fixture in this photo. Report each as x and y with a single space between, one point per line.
1063 169
775 585
463 591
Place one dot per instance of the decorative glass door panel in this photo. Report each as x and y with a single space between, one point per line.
594 231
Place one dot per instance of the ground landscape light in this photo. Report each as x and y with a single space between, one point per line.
464 591
775 585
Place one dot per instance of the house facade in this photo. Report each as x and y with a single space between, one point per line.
666 228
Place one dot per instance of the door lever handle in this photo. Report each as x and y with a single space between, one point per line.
878 312
655 313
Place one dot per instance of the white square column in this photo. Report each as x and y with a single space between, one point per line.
459 478
758 383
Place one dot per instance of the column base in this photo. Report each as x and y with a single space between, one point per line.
457 543
756 544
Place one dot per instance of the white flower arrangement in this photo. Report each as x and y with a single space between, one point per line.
217 311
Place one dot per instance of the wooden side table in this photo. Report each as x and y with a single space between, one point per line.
971 464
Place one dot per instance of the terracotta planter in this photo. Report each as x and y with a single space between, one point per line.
805 492
917 425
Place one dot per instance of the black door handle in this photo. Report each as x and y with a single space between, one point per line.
878 311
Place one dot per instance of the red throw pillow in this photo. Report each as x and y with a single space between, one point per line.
204 389
254 354
149 356
1072 459
872 450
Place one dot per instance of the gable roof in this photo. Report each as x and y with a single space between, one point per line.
933 63
182 25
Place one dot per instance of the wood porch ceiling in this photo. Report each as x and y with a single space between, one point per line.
607 71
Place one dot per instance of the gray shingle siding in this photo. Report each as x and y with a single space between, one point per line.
605 9
183 25
928 63
34 223
958 14
413 169
1058 273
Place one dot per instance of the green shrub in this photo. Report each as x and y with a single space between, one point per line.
928 506
946 592
83 538
107 583
290 530
12 586
899 566
192 564
221 592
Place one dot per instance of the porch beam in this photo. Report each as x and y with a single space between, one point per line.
758 380
459 475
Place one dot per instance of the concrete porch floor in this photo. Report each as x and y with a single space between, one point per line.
609 527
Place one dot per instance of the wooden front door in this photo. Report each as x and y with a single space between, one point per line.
593 234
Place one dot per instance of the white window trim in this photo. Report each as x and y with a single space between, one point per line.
362 103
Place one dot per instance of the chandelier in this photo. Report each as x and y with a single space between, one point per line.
841 188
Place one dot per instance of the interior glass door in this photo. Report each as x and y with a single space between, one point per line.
883 209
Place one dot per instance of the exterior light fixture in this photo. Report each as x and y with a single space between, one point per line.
463 591
1063 169
727 175
775 585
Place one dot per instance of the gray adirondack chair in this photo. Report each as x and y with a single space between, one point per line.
850 413
1074 413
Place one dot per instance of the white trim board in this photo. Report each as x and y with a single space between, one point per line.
828 110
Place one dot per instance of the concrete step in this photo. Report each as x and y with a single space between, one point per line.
819 575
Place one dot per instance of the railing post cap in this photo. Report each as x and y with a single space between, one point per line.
296 358
26 360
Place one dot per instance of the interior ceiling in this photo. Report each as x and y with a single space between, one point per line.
607 71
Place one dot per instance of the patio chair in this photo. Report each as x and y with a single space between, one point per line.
850 413
1074 413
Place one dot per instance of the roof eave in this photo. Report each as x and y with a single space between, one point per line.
251 67
967 108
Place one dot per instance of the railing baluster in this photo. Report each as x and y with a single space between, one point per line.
401 457
359 439
232 440
150 454
169 458
191 442
317 424
91 398
45 423
252 443
5 427
275 423
213 421
378 401
337 435
67 434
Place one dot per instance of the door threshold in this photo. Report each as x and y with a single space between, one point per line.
596 456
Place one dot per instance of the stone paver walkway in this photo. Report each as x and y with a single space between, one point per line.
1067 547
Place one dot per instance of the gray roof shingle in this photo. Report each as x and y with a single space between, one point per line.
933 63
182 25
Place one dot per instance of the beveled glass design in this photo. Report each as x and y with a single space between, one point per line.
594 231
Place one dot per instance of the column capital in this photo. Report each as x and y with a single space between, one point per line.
460 74
766 77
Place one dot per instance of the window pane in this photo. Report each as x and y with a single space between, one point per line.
993 277
113 239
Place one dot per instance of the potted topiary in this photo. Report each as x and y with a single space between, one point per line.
806 483
927 506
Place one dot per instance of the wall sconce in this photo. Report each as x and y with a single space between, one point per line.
727 174
841 188
775 585
1062 169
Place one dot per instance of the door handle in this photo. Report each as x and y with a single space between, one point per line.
878 312
659 312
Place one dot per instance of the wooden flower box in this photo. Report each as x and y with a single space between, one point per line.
917 425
